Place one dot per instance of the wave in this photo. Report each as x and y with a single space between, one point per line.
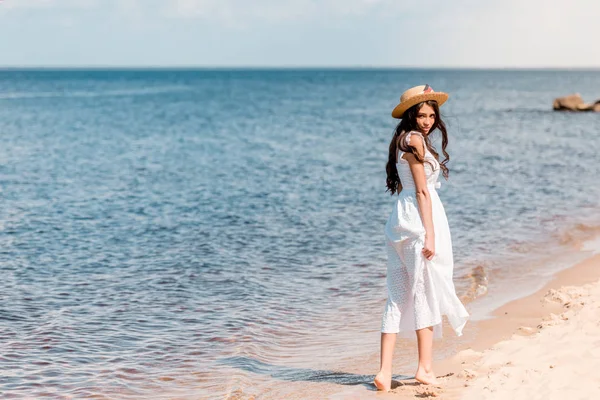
94 93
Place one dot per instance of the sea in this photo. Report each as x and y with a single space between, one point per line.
219 234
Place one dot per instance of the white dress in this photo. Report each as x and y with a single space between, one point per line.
419 290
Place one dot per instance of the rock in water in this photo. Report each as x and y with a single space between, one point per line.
574 102
571 102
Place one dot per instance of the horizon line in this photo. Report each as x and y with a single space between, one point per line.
292 67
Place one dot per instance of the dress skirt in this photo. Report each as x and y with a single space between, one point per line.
420 291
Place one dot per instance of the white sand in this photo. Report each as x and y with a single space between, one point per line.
559 359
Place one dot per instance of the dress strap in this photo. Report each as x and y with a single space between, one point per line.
410 134
407 140
420 134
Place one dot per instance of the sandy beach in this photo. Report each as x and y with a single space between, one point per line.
544 346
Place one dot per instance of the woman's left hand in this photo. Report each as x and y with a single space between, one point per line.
429 247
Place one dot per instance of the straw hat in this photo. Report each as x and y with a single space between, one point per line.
417 95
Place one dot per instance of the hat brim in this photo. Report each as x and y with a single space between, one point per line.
440 97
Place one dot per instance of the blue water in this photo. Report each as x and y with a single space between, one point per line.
211 234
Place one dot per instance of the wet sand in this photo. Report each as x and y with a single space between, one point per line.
543 346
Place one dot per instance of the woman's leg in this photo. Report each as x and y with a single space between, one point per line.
425 370
383 380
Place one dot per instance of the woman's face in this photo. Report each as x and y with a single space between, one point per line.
425 118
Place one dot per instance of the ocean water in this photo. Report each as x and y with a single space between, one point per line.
219 234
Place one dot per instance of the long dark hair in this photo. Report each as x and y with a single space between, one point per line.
407 124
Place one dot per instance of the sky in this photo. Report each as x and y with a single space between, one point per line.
300 33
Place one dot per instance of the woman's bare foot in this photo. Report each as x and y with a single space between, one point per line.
426 377
383 381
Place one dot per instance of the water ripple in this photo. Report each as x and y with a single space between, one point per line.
208 234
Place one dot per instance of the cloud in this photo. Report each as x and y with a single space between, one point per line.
54 4
68 13
239 11
526 33
457 33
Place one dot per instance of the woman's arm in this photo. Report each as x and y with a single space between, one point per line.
422 193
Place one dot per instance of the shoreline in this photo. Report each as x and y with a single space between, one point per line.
542 351
519 318
529 309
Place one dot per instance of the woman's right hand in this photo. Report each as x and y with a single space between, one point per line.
429 247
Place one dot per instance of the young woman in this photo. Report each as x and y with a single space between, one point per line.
418 243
